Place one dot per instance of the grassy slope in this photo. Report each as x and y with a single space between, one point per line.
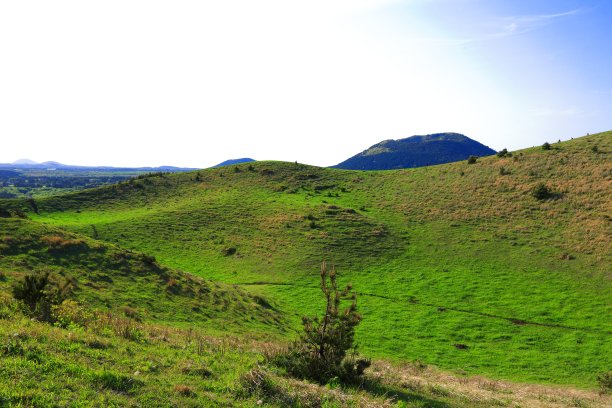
443 255
107 277
93 365
46 366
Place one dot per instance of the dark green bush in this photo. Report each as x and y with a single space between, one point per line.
40 291
504 153
320 354
229 251
472 159
11 213
546 146
542 192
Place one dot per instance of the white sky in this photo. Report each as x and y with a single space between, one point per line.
193 83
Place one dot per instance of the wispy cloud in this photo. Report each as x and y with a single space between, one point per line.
501 27
523 24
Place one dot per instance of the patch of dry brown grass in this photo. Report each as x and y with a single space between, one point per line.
485 391
580 179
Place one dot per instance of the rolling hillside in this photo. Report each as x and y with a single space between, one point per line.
416 151
458 265
107 277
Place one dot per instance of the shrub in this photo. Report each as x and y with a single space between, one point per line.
229 251
542 192
504 171
504 153
147 259
472 159
546 146
39 292
595 149
320 354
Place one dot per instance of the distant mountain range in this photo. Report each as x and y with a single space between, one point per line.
235 161
24 161
53 165
416 151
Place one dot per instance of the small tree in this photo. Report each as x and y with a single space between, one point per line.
321 351
472 159
546 146
39 292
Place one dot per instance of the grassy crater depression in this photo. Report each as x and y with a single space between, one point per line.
458 265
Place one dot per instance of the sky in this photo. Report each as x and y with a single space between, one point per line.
193 83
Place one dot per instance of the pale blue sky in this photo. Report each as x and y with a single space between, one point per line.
192 83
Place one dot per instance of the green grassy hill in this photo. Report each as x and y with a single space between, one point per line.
458 265
106 277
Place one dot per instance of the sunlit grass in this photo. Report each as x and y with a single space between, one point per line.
444 255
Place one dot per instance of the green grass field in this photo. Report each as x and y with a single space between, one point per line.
458 266
444 255
107 277
94 363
